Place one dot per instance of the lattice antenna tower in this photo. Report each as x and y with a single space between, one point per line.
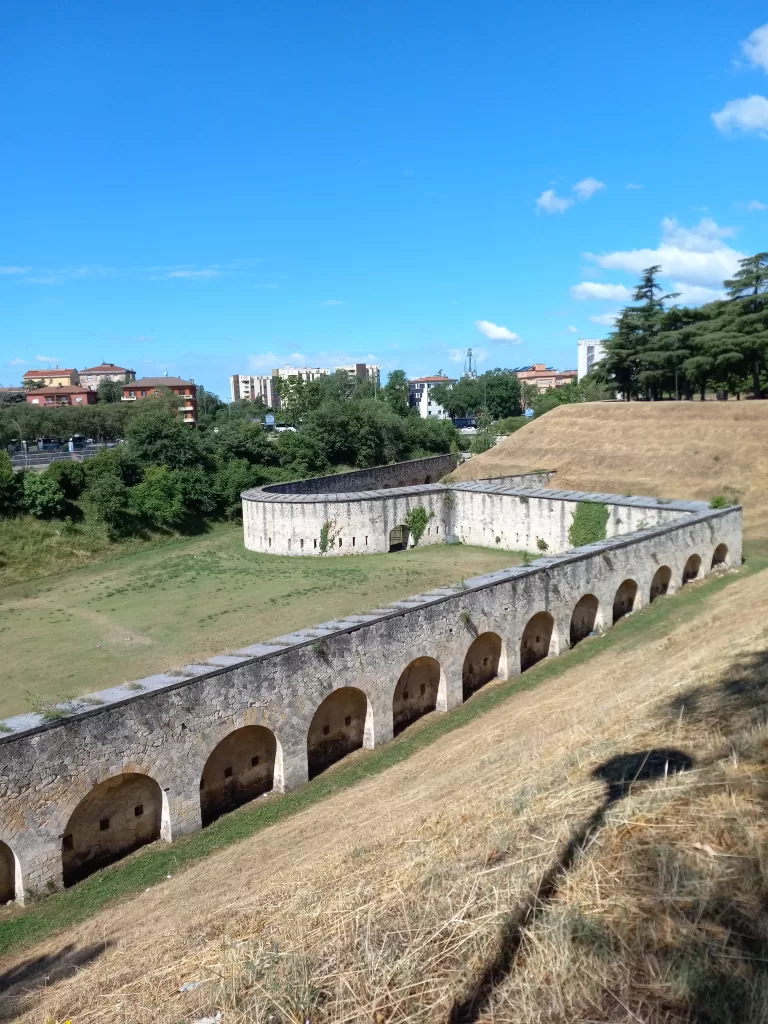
470 365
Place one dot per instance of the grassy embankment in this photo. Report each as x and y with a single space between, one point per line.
648 627
158 607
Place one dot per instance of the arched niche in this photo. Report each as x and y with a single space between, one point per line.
692 569
720 557
114 819
625 599
481 663
536 640
415 693
240 768
584 618
660 583
9 875
337 728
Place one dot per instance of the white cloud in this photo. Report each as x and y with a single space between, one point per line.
691 255
631 185
14 270
47 359
755 47
747 115
332 302
596 290
695 294
495 332
17 362
194 273
606 319
572 330
551 202
587 187
754 205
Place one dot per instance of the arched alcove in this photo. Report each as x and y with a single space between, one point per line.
624 601
720 556
415 693
536 640
240 768
118 816
692 569
7 874
337 728
584 618
398 538
481 663
660 582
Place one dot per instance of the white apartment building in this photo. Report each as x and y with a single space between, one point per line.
365 371
305 373
252 388
420 396
591 351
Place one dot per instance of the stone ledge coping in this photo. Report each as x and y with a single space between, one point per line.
30 723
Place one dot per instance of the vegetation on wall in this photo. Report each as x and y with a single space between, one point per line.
416 521
589 522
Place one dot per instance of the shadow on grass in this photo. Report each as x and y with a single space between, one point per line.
619 774
19 983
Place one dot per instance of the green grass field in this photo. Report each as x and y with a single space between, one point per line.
149 610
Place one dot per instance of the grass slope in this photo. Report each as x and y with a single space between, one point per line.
666 449
170 604
18 928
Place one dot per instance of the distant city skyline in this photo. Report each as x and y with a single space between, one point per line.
323 186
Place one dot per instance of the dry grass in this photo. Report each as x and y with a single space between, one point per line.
666 449
391 901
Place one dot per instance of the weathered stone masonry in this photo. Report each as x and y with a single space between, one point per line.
169 752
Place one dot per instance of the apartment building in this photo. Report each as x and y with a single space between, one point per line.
544 377
365 371
420 396
94 375
252 388
591 351
61 394
148 386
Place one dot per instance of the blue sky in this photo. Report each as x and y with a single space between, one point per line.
221 188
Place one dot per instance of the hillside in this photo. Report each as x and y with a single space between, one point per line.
446 888
666 449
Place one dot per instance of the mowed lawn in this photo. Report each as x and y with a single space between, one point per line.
162 608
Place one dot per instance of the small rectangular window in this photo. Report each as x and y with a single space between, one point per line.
353 542
339 541
270 541
104 824
301 544
366 542
315 541
138 810
227 773
437 529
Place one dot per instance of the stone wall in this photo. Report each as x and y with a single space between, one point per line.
169 730
396 474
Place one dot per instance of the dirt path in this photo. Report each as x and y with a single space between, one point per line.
449 799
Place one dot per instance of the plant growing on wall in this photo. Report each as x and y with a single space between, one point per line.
416 521
588 524
541 544
328 534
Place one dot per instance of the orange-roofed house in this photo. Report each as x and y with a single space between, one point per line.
51 378
61 394
92 376
420 396
145 387
545 377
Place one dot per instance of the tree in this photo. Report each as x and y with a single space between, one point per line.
464 398
501 393
11 487
42 496
156 436
396 393
108 501
33 385
70 476
159 498
109 391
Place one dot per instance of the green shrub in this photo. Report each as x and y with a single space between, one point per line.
108 501
70 476
42 496
728 498
11 487
416 521
510 424
588 524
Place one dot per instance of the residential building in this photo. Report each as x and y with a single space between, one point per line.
251 388
544 377
591 351
365 371
94 375
305 373
420 396
61 394
51 378
148 386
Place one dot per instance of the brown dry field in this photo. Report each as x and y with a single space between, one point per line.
665 449
387 901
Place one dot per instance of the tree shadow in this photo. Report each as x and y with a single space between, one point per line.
20 982
619 774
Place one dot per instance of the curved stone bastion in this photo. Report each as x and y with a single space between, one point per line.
92 780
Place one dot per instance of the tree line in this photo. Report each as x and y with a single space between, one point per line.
658 348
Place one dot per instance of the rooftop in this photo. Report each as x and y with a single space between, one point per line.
107 368
51 371
433 380
61 389
158 382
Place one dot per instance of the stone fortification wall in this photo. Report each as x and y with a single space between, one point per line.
149 760
397 474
